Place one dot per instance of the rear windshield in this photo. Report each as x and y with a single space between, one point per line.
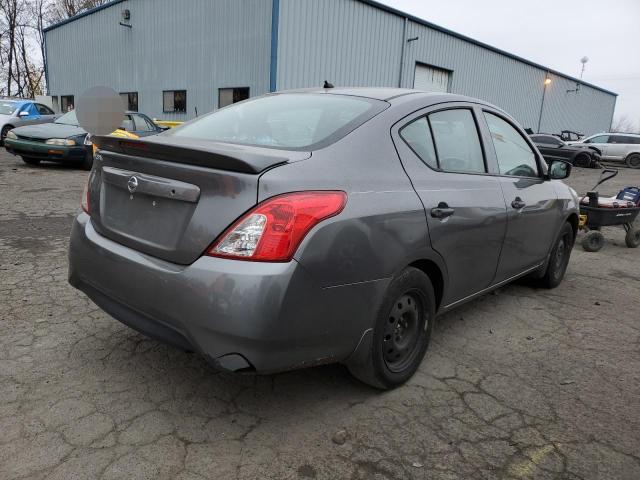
7 108
289 121
68 118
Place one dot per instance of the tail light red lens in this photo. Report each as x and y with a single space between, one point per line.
273 230
84 202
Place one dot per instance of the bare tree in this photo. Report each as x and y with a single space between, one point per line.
624 124
62 9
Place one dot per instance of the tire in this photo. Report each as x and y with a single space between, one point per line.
593 241
559 258
582 160
4 132
31 160
632 239
401 333
633 160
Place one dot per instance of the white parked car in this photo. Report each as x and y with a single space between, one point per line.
616 147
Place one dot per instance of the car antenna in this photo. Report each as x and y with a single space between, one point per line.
327 84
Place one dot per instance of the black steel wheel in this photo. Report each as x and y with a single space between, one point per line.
632 239
401 333
633 160
593 241
559 258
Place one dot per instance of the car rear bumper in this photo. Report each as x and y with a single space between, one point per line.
264 316
39 150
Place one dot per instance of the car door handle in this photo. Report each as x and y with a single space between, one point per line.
442 211
518 203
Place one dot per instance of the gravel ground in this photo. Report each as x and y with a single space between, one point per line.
520 384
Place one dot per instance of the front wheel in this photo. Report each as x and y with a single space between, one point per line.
401 332
559 258
593 241
3 133
31 160
583 160
632 238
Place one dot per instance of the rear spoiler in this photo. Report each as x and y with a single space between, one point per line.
222 156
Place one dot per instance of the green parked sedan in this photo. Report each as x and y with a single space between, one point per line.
63 141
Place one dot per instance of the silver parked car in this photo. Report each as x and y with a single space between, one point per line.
616 147
318 226
16 113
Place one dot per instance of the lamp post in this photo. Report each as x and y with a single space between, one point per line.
546 83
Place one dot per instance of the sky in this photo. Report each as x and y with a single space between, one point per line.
554 33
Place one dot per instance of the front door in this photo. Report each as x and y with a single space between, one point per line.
600 142
531 201
440 150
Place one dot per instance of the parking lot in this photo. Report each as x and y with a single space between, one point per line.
523 383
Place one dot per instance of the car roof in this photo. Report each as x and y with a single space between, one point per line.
376 93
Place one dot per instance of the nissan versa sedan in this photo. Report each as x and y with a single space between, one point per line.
317 226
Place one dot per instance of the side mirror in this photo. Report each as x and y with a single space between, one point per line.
24 114
559 170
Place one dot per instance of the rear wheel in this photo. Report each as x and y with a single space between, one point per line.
401 333
632 239
633 160
31 160
559 258
593 241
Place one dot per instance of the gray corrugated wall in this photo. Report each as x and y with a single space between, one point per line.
352 43
197 45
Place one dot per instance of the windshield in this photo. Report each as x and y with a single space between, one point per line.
68 118
7 108
287 121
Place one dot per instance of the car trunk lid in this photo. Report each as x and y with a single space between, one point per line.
172 198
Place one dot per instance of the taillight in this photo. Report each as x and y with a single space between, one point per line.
85 195
273 230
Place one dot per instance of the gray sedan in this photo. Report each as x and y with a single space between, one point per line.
17 113
318 226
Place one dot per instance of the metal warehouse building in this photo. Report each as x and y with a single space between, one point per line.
173 59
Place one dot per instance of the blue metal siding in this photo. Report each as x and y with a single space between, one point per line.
355 43
198 46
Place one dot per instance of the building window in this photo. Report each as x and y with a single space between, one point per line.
130 100
174 101
66 103
227 96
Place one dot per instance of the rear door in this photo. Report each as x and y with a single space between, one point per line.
618 146
533 211
441 151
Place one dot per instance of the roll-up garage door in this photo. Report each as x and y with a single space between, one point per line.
431 79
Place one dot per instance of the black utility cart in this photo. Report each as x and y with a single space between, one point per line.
597 212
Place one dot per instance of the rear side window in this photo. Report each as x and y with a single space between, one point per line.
456 141
515 156
287 121
418 136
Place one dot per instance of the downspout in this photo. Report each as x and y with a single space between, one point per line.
275 23
46 67
404 41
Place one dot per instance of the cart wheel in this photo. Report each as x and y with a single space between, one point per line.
632 239
593 241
